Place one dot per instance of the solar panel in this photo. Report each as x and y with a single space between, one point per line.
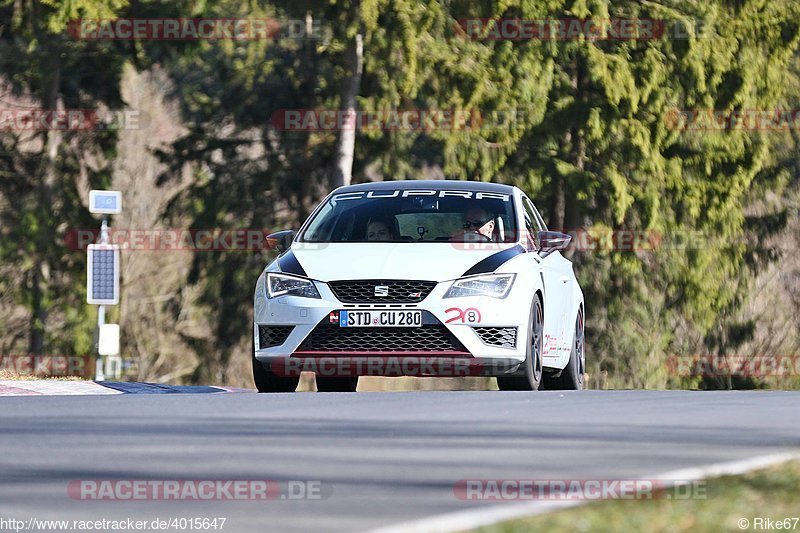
103 274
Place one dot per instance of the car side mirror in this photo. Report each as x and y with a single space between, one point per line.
281 240
550 241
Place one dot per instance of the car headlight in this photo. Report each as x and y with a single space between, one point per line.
493 285
279 284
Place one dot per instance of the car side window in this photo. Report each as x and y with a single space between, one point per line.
539 220
532 224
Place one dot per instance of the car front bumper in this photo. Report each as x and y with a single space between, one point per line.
480 332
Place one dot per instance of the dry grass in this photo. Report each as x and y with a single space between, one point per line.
7 375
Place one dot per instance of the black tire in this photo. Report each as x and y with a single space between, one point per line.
571 377
346 384
268 381
533 360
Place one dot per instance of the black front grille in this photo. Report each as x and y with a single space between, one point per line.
269 336
428 338
399 291
501 337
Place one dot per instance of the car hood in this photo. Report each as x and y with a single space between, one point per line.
419 261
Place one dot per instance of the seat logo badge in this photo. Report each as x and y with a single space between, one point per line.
381 290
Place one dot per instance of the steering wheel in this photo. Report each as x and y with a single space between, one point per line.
478 234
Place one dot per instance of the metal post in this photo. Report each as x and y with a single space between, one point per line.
101 310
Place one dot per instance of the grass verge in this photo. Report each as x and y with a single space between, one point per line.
772 493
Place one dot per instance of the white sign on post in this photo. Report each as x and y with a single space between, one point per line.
105 202
108 339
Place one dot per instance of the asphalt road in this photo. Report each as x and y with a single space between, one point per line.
380 458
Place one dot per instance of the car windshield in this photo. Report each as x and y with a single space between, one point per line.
422 215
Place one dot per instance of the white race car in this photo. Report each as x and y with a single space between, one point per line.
421 278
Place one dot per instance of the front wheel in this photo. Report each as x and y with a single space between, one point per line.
533 358
571 378
268 381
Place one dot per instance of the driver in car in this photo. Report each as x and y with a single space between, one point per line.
380 229
478 226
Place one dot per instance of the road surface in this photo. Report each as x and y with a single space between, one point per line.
378 458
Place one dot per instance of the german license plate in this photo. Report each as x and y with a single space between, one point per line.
380 319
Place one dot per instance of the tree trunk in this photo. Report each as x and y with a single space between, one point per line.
45 241
558 205
564 208
796 138
578 159
345 149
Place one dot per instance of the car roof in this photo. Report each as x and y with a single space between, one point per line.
452 185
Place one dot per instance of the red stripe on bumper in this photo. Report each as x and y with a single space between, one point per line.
392 354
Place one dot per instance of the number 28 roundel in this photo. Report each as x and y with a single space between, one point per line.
469 315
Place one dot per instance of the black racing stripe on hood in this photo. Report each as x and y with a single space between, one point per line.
493 262
289 264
